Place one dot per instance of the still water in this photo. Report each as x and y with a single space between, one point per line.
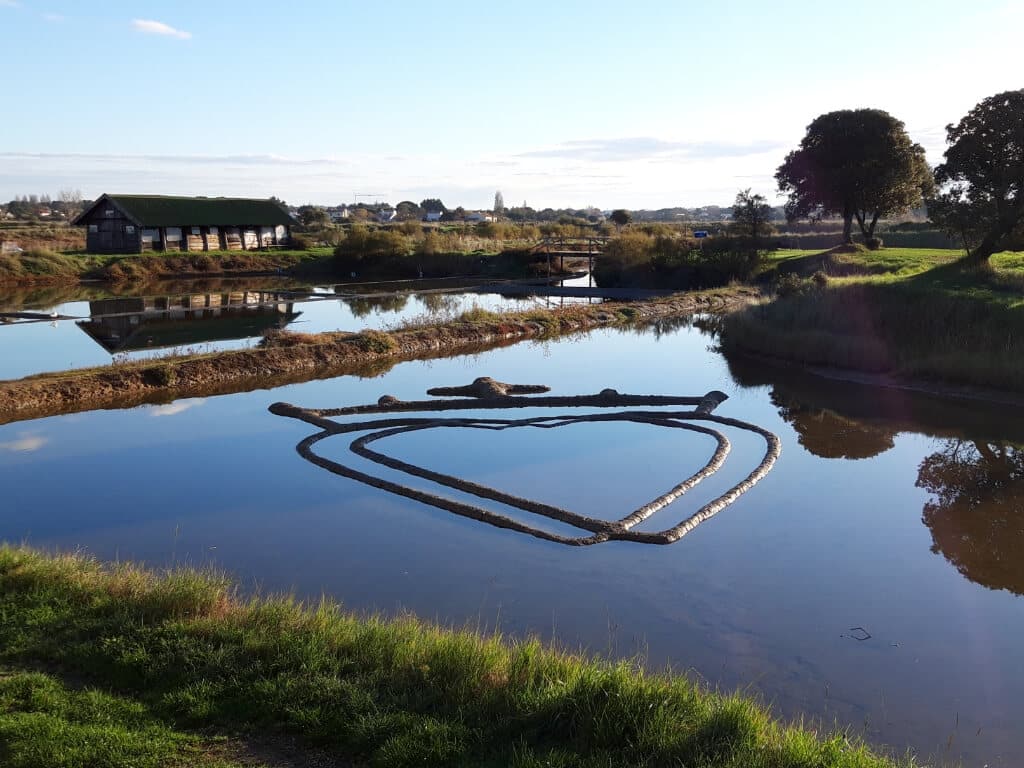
80 327
874 579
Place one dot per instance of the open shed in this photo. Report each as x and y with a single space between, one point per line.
137 223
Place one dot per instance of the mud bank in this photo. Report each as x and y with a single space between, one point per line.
288 358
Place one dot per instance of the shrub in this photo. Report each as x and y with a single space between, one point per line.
411 228
377 342
299 243
791 285
361 244
160 376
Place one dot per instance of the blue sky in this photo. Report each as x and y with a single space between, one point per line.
562 103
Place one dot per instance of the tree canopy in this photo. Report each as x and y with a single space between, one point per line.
856 163
407 210
621 217
982 180
750 215
313 216
432 205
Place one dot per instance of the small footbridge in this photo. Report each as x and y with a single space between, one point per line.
588 248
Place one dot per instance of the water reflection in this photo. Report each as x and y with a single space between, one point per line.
39 330
438 303
172 321
363 306
976 478
827 434
976 517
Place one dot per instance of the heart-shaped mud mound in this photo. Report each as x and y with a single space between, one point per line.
494 395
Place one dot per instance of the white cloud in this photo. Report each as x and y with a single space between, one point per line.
151 27
26 441
648 147
9 4
638 181
174 408
54 17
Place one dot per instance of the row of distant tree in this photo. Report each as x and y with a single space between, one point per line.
66 205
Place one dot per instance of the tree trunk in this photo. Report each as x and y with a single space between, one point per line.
847 228
866 229
871 228
985 249
994 237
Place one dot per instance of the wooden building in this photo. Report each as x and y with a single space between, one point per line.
137 223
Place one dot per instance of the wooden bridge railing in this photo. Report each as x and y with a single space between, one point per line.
573 247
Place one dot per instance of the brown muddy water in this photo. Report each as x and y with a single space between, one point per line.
874 579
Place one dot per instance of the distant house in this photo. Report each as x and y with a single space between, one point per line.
476 217
338 213
137 223
433 216
386 215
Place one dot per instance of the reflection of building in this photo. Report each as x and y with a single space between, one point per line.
125 325
136 223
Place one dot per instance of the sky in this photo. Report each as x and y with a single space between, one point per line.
645 104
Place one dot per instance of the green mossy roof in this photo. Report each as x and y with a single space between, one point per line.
164 211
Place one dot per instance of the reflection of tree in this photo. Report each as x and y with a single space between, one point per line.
977 514
831 436
361 306
438 303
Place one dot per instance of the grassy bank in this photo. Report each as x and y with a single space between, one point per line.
148 656
289 357
40 265
905 313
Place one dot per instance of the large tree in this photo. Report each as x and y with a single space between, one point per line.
407 210
313 216
432 205
621 217
982 180
499 203
857 163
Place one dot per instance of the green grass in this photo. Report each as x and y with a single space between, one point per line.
46 724
898 262
180 651
906 312
41 264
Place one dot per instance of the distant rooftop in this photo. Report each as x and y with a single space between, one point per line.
167 211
